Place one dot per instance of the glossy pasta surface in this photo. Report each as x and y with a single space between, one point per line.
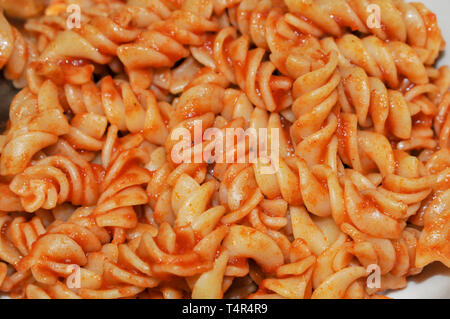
222 148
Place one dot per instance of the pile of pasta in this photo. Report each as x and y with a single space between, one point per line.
88 187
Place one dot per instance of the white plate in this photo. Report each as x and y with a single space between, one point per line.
434 281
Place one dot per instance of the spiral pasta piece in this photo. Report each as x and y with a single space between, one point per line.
266 25
442 122
36 123
163 44
122 191
47 263
381 60
22 9
19 237
54 180
95 41
16 54
133 112
432 243
315 94
396 258
411 23
250 72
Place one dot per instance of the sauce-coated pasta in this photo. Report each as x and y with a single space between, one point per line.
94 204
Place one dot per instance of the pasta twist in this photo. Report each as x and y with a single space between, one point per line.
247 69
96 41
56 18
391 204
60 291
335 270
129 110
19 236
196 106
375 105
292 42
36 123
255 19
47 263
145 12
313 133
238 178
442 122
258 20
121 191
385 61
323 247
190 259
163 44
396 258
130 268
315 95
410 23
174 80
154 251
432 249
160 187
233 194
22 9
46 27
377 222
30 243
441 79
16 54
54 180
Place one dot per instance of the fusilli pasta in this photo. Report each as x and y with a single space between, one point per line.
94 199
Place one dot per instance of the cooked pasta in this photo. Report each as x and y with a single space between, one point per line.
16 54
401 21
22 9
139 161
164 41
